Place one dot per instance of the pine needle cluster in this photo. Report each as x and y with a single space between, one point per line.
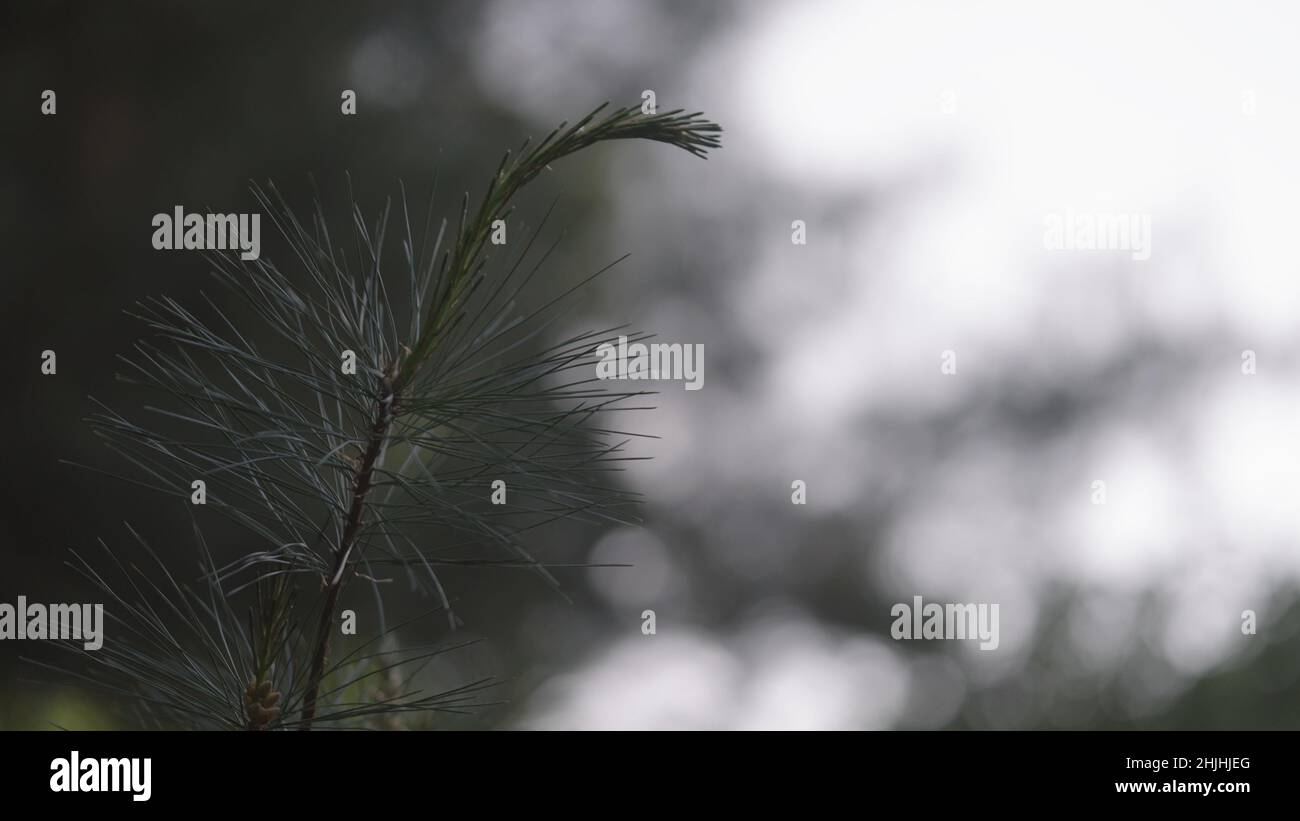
337 475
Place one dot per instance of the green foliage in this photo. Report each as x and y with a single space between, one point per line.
337 475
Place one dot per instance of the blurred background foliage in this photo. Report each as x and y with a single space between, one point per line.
821 361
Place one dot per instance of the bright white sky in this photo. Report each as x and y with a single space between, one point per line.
1184 111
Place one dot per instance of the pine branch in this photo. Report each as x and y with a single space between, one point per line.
686 131
384 414
296 451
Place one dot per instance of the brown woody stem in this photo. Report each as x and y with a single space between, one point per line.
343 561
